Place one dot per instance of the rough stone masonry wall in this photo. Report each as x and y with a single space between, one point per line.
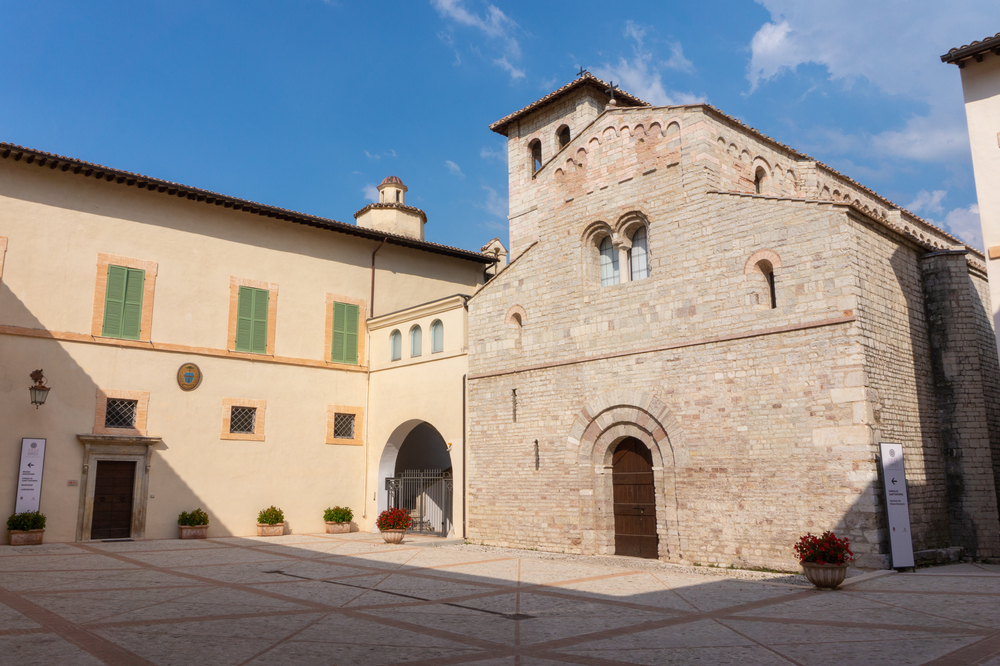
990 365
952 304
899 374
766 452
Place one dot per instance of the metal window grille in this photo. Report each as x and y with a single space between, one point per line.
243 419
120 413
343 426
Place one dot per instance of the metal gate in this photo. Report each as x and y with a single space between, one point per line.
426 495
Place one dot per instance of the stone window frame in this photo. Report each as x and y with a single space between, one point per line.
101 289
328 327
141 412
755 266
516 316
359 422
234 303
227 410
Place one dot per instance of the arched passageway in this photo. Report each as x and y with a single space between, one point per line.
415 474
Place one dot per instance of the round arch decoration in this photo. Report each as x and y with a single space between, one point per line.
761 255
597 430
629 222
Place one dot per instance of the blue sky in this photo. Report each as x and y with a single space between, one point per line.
307 104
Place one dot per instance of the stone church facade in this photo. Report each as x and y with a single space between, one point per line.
756 320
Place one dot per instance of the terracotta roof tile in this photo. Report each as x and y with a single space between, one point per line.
959 53
587 79
128 178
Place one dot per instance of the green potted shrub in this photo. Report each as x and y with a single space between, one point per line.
825 559
271 522
193 525
393 523
338 519
26 528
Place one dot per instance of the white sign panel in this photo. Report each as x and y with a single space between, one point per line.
897 505
29 480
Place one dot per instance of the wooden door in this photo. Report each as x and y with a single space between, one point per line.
635 500
113 500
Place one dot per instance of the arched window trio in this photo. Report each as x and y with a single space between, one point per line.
416 341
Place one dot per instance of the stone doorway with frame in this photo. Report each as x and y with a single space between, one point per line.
109 462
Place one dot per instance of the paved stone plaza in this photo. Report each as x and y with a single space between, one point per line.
351 599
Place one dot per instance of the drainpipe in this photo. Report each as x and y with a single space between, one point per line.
465 462
372 301
368 382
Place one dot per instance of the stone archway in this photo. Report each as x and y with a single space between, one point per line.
413 449
598 429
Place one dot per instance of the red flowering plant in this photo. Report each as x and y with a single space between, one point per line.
826 549
393 519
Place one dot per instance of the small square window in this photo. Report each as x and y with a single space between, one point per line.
243 420
343 426
120 413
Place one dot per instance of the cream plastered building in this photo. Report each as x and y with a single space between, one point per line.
126 290
979 64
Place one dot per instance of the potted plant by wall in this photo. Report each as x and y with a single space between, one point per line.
338 519
193 525
271 522
393 523
825 559
26 528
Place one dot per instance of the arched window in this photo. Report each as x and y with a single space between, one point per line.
396 345
416 341
563 135
536 155
397 196
638 256
437 336
609 263
768 270
759 179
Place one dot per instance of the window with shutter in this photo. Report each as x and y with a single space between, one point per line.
251 320
345 333
437 336
123 302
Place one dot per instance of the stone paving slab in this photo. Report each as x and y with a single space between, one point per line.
352 599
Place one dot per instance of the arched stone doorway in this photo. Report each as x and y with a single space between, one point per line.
634 500
415 474
604 423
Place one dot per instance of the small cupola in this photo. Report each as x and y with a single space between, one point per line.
391 214
392 190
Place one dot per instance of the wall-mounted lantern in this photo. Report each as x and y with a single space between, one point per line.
39 392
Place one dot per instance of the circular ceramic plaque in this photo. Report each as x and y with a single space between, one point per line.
188 377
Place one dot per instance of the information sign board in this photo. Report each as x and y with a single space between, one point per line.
897 505
29 479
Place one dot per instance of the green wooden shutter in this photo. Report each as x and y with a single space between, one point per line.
132 311
114 301
337 353
351 335
244 319
259 344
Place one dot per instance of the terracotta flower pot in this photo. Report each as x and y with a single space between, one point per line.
263 529
338 528
393 536
193 531
26 538
825 576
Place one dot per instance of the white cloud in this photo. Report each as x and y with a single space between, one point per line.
495 24
895 45
964 223
370 192
499 153
454 169
378 156
927 203
639 75
494 204
514 72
